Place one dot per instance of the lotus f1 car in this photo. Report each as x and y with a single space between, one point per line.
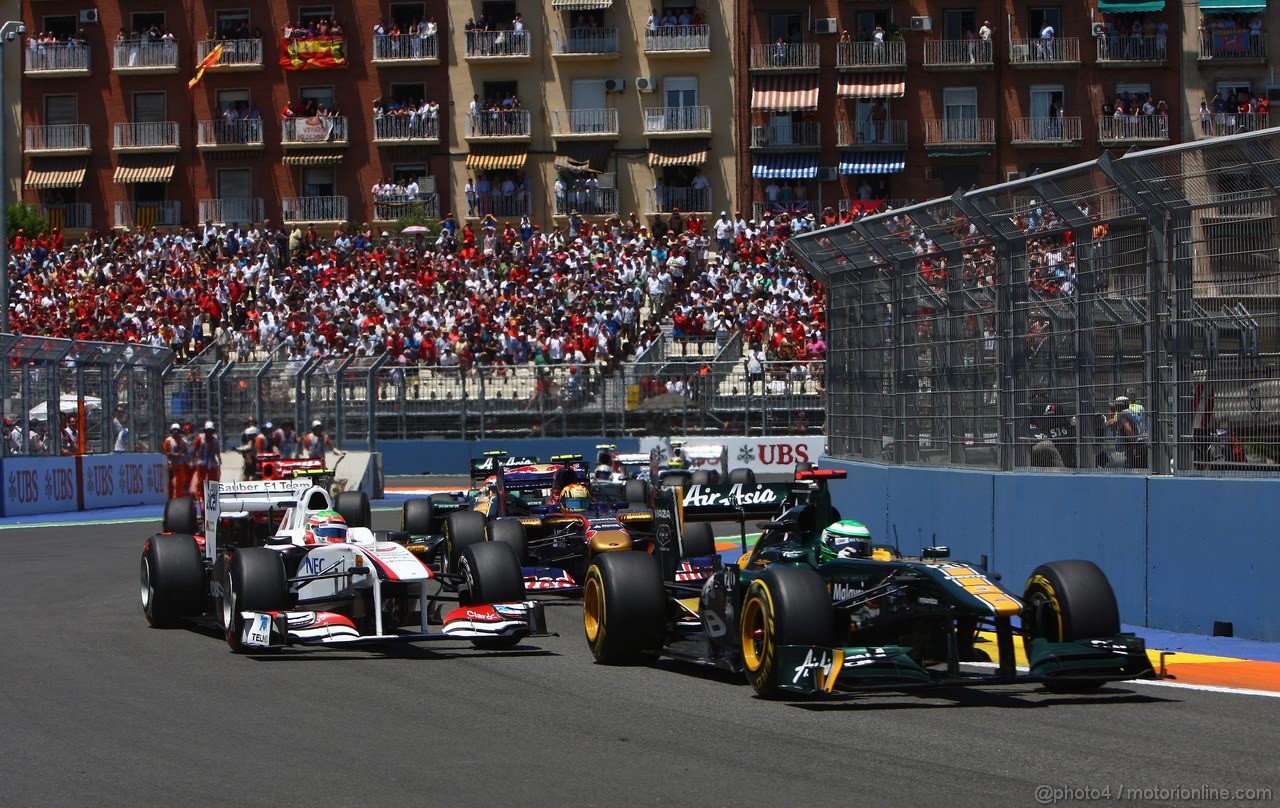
322 577
798 617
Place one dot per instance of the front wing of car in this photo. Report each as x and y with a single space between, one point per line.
279 629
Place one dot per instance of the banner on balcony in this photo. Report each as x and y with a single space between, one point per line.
207 62
319 53
312 130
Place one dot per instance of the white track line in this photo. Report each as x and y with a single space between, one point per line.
1235 691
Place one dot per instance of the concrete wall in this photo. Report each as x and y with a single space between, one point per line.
1180 553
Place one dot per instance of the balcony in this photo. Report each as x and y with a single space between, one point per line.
313 133
1232 123
146 215
142 56
1044 52
584 123
678 40
594 202
506 46
871 135
677 121
155 136
58 60
388 209
1116 50
71 138
500 204
784 58
586 44
957 54
801 136
238 55
67 215
231 211
685 200
1233 45
871 55
219 135
1118 131
397 130
1047 132
310 209
500 125
406 49
960 132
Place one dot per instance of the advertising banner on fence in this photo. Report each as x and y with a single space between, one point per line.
774 455
109 481
39 485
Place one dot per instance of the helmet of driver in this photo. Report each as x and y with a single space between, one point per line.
575 497
326 527
845 539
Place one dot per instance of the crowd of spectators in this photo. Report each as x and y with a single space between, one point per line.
407 119
320 28
486 37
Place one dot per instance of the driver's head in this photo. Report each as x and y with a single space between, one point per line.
575 497
845 539
326 527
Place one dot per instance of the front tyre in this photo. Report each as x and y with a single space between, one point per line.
172 579
784 606
1066 601
624 608
491 574
254 582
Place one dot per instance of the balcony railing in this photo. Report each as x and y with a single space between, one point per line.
584 122
236 53
595 202
871 54
313 131
142 55
586 41
405 48
1121 48
678 198
68 214
511 123
796 56
957 53
231 211
498 44
1128 128
785 136
1046 130
155 135
148 214
314 208
59 57
1233 43
1037 51
960 131
70 137
678 38
500 204
245 134
388 209
406 127
1232 123
660 120
871 133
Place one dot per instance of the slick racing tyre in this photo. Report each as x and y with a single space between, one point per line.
624 608
1065 601
742 476
491 575
461 530
417 517
704 477
509 531
172 579
697 541
253 581
180 516
635 492
784 606
353 506
674 479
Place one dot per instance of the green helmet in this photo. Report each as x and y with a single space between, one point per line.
845 539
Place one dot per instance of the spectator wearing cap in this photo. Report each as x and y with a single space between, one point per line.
177 453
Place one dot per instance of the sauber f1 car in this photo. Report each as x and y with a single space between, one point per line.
322 577
814 610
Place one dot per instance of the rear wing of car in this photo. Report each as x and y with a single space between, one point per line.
484 466
256 496
703 456
553 476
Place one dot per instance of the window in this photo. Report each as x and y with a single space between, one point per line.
498 14
144 20
401 173
1133 88
230 22
322 96
149 192
230 98
1037 17
959 176
1044 99
680 91
866 22
788 26
1232 88
319 181
60 110
148 108
496 91
588 94
314 14
62 26
956 22
235 183
959 103
406 14
408 94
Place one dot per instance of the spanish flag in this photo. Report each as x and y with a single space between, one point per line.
208 62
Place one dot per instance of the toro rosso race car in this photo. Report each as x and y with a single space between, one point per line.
817 609
322 577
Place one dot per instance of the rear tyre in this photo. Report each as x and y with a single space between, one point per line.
417 517
704 477
254 582
742 476
697 541
354 508
635 492
1066 601
672 479
508 530
624 608
784 606
172 579
461 530
180 516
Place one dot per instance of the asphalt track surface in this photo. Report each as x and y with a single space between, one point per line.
97 709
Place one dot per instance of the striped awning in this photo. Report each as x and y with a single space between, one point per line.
677 152
581 5
1233 6
872 85
134 168
497 157
1130 6
800 166
321 159
783 93
56 172
872 163
583 155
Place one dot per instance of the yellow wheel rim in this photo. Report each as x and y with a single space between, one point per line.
753 632
592 608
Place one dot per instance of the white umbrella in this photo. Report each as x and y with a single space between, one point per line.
67 405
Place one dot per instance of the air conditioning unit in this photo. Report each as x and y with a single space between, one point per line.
614 85
646 84
1099 29
824 25
921 23
828 174
88 16
1010 176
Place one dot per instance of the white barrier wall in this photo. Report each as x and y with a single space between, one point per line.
776 455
